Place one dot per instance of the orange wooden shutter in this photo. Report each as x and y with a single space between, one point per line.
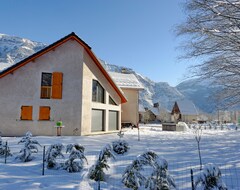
44 113
26 113
57 78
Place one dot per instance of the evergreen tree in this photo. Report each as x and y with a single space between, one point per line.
96 172
53 152
210 178
132 177
160 178
3 149
30 146
76 152
120 146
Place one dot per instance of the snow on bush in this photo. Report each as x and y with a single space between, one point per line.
160 178
4 149
134 178
76 158
96 172
52 153
210 178
30 146
120 146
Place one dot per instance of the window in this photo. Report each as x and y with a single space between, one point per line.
97 120
97 92
26 113
111 101
44 113
46 85
51 85
113 121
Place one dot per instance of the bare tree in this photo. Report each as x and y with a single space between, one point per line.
198 136
212 31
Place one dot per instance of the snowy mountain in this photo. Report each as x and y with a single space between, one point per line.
153 92
14 49
200 92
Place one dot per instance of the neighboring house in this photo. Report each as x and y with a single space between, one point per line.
149 116
156 113
184 110
64 81
130 86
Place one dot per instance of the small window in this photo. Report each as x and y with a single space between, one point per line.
51 85
97 92
46 85
44 113
26 112
111 101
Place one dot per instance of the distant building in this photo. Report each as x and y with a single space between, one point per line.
184 110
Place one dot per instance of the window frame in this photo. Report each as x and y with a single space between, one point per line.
46 88
98 96
51 89
111 101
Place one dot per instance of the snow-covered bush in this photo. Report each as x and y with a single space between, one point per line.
120 146
96 172
30 146
76 158
210 178
159 179
4 149
132 177
52 153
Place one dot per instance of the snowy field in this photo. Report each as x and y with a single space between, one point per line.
220 147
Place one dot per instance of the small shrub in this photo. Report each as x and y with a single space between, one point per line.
4 150
159 179
210 178
96 172
30 146
120 146
76 152
53 152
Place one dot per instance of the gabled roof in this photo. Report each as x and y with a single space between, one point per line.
187 107
126 80
71 36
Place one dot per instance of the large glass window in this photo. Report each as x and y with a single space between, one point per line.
113 121
97 92
97 120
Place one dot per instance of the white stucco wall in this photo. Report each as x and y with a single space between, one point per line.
90 72
22 88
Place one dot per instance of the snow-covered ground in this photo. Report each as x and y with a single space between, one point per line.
220 147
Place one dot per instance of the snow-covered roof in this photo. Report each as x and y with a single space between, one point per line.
187 107
126 80
141 108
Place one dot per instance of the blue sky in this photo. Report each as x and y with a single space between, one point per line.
132 33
